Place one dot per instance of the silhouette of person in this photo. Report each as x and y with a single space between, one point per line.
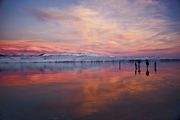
155 67
135 68
147 64
139 67
147 68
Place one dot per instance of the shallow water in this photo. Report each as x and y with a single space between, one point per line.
89 91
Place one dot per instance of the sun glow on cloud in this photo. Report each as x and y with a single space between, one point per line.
107 27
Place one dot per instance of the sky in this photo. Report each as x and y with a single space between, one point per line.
104 27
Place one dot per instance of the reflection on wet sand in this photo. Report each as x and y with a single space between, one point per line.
147 67
87 92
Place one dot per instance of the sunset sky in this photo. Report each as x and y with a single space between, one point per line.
104 27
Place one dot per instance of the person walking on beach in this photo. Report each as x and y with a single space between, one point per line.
147 66
135 68
155 68
139 67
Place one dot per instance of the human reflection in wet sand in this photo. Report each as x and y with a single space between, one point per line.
147 68
139 67
155 67
135 68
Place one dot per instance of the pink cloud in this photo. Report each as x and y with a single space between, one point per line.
108 27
